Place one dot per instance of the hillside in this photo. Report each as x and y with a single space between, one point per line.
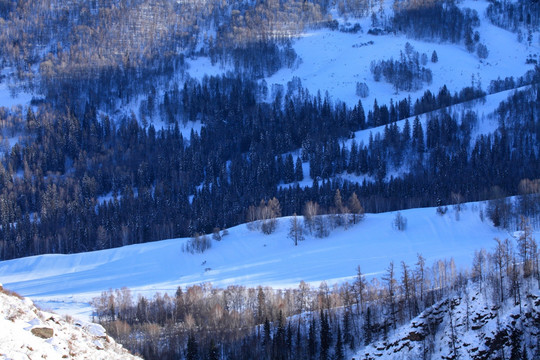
172 119
67 283
469 325
335 61
29 333
129 129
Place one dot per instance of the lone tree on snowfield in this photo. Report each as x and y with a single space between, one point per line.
296 231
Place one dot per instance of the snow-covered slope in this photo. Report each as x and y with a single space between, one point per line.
67 282
29 333
488 123
334 61
465 326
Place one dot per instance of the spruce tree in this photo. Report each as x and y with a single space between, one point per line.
192 351
339 353
312 340
298 345
213 351
298 171
348 337
434 57
325 336
288 170
368 328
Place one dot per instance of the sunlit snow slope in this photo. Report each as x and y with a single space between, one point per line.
65 282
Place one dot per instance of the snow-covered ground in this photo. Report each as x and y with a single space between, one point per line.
66 283
333 61
9 98
28 333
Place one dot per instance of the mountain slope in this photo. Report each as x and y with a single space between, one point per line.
469 325
67 282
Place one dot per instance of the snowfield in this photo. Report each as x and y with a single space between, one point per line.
66 283
334 61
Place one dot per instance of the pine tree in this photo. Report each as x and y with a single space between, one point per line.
434 57
312 340
267 339
213 351
192 351
418 136
280 338
353 158
298 171
406 134
368 327
348 337
288 170
339 352
289 340
325 336
298 346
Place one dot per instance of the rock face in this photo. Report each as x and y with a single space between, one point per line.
29 333
468 326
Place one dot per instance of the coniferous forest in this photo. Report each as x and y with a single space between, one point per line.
121 142
83 177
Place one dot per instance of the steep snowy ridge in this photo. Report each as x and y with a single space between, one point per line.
468 325
29 333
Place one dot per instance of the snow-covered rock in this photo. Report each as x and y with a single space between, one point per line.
468 325
29 333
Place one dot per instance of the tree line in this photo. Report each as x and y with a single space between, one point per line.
79 183
307 322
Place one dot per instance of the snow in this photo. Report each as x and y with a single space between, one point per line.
332 61
476 320
202 66
8 98
67 283
19 318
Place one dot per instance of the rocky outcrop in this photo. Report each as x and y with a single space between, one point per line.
27 332
468 326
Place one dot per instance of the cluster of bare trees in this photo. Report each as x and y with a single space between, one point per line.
508 213
161 326
264 217
337 318
504 269
320 222
272 20
197 244
115 47
358 8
